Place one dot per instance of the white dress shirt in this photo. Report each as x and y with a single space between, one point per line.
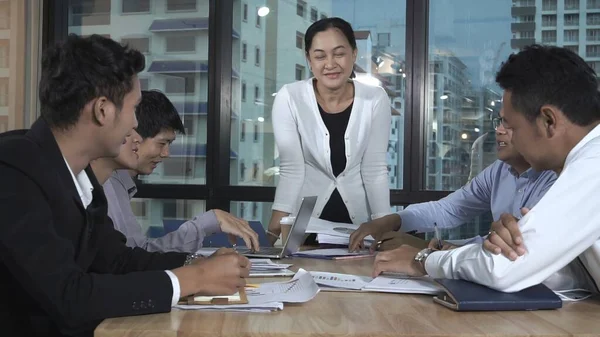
561 235
305 159
84 188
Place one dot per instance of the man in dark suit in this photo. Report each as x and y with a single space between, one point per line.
63 267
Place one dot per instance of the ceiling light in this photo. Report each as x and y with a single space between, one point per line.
263 11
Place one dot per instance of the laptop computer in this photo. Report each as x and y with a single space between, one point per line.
294 239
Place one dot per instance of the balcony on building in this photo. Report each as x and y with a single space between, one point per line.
521 43
522 11
522 27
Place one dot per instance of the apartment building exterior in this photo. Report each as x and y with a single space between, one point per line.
574 24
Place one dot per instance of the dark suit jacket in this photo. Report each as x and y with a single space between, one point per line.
63 267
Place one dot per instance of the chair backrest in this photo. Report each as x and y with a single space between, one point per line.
221 239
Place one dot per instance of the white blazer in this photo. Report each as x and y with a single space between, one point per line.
305 159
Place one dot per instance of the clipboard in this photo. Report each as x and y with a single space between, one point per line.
216 300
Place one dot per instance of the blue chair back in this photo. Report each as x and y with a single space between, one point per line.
215 240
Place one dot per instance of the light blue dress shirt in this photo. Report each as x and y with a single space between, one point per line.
497 188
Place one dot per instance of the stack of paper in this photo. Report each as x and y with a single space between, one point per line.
259 267
266 268
334 232
390 283
333 254
270 296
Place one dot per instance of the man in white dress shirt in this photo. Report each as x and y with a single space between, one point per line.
552 105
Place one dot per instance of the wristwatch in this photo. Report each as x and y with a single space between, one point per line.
422 256
190 258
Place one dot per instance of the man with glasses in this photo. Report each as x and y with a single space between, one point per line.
506 186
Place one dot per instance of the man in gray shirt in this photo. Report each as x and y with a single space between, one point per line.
158 121
506 186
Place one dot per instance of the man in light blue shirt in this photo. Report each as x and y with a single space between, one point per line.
506 186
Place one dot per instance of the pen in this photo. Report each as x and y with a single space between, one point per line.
437 236
378 245
249 285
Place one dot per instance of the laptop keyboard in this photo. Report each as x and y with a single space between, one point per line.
263 250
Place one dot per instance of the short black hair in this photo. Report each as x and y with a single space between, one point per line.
79 69
324 24
156 113
539 75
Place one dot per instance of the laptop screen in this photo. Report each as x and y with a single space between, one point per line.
296 236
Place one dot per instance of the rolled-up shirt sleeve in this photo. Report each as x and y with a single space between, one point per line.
563 225
457 208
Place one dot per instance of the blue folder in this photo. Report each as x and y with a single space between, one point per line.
468 296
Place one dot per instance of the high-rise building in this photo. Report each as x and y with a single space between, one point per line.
380 31
574 24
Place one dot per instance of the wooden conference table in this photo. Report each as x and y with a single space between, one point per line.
360 314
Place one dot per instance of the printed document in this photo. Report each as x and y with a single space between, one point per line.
390 283
270 296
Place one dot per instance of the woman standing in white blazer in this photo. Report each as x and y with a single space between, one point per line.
332 134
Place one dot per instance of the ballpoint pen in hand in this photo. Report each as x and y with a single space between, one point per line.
380 242
438 236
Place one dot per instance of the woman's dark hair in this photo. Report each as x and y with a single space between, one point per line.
325 24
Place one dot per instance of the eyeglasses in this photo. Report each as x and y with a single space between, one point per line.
497 121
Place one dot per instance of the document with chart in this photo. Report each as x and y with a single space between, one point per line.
269 296
267 268
335 281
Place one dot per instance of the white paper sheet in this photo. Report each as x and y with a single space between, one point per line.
404 285
392 283
206 251
271 273
267 264
330 252
327 280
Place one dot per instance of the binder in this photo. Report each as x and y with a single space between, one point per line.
463 295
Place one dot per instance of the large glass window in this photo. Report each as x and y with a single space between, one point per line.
252 210
161 216
380 32
173 34
467 42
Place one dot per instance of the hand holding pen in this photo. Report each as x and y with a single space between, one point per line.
438 237
437 243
